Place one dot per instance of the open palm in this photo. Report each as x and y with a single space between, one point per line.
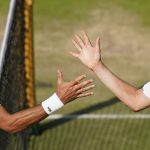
89 55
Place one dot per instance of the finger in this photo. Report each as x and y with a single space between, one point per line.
74 54
86 39
85 94
79 40
97 46
85 89
83 84
76 45
78 79
59 77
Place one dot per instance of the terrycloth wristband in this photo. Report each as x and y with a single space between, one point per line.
52 104
146 89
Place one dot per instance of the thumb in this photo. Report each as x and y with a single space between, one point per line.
59 77
97 43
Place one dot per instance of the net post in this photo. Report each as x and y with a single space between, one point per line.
29 54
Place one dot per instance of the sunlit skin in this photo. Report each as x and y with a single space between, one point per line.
90 56
66 91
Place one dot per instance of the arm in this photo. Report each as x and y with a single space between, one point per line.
91 57
66 92
13 123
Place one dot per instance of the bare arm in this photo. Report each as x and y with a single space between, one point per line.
91 57
66 91
128 94
13 123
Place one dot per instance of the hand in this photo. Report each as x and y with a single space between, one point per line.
89 55
69 91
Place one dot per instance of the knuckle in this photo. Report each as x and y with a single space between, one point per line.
69 89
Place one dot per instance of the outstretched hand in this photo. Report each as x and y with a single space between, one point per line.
88 54
69 91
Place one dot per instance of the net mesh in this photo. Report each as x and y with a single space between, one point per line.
108 125
16 82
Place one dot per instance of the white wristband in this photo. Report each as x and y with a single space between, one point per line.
52 104
146 89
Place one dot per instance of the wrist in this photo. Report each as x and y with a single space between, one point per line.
146 89
97 66
52 104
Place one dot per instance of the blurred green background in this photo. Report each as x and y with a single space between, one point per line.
123 26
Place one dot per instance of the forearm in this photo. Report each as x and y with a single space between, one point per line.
21 120
25 118
124 91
